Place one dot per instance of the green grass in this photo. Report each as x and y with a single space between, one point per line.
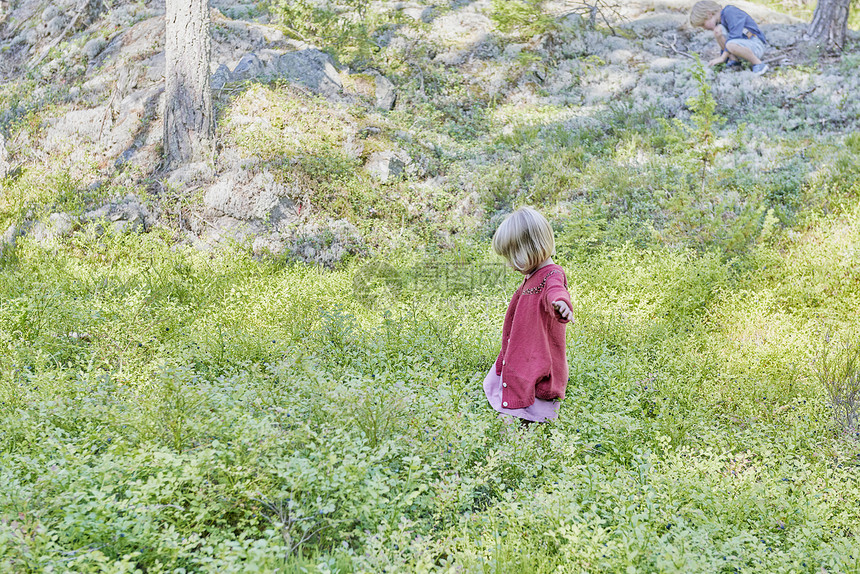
167 409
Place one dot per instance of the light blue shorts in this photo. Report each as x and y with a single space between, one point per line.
755 44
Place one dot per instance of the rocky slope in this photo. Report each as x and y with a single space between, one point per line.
84 82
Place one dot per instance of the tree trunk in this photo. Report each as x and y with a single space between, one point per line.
829 24
189 126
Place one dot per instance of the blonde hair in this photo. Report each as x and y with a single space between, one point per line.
703 10
525 239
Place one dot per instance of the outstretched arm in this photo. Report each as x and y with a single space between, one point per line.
558 297
563 310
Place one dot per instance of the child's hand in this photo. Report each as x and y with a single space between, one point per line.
563 310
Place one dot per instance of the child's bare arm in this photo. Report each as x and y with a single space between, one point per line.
721 42
719 59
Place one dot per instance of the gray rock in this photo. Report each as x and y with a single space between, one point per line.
189 174
122 216
12 233
124 158
227 229
386 94
57 225
249 67
311 68
246 197
220 78
384 164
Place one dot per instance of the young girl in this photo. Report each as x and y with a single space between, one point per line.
530 373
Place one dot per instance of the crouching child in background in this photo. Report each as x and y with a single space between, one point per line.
530 374
735 31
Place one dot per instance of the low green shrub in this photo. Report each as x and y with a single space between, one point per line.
526 17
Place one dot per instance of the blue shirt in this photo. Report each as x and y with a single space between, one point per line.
739 24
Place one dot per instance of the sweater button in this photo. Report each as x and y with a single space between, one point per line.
503 361
504 384
504 404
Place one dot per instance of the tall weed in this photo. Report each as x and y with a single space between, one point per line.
837 367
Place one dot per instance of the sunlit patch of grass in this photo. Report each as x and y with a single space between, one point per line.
515 117
311 146
285 123
37 192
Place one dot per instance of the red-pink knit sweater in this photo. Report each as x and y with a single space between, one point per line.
533 362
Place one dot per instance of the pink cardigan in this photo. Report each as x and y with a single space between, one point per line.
533 362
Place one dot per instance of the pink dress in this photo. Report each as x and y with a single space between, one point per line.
539 411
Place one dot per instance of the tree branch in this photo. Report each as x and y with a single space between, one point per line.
676 50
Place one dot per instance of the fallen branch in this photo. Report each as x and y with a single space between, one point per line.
797 98
59 38
780 57
676 50
107 112
591 9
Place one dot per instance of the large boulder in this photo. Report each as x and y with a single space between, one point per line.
115 131
245 196
249 67
310 68
226 229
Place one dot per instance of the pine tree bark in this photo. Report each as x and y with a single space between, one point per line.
829 24
189 126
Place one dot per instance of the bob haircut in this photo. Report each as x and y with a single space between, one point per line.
525 239
703 10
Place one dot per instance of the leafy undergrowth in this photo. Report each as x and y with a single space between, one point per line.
165 410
